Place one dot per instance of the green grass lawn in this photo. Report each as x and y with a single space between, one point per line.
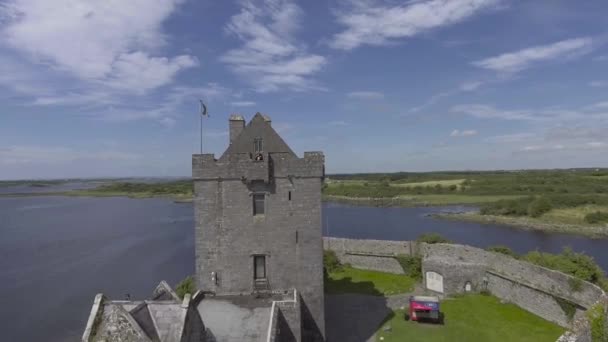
352 280
473 318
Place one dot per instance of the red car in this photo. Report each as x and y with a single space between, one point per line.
424 308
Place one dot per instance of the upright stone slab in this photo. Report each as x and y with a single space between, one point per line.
258 220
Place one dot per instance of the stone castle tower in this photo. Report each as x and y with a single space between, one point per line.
258 220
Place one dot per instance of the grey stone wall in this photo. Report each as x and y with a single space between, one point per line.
581 328
537 277
371 247
533 300
285 321
374 255
529 286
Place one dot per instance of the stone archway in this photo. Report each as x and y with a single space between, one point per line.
434 281
468 287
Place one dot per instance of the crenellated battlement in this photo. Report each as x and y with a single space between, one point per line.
245 167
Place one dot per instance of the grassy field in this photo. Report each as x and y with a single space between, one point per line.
352 280
549 224
442 183
575 215
473 318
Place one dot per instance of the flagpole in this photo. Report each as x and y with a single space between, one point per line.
203 113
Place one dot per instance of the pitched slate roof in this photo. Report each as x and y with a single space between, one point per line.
165 318
258 127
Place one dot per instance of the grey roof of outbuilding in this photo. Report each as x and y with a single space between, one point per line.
164 318
258 127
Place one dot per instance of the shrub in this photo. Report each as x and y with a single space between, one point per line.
517 207
331 261
502 250
412 265
432 238
596 217
538 207
579 265
575 284
597 320
568 308
185 286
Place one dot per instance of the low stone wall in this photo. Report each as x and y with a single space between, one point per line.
285 320
376 255
581 328
451 269
537 277
372 247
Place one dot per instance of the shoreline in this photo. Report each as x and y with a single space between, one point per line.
87 193
526 223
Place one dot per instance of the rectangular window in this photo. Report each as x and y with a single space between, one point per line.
258 204
259 267
258 145
289 196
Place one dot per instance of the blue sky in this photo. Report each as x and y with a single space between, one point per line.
111 88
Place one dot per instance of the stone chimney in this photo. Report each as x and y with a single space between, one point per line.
237 124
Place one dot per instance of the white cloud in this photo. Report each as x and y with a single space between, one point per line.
464 133
242 103
511 138
598 84
601 58
57 154
366 95
470 86
519 60
482 111
109 43
171 107
270 58
593 145
374 23
338 123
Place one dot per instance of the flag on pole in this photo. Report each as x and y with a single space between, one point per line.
203 109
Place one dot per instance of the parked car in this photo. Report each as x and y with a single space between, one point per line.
424 308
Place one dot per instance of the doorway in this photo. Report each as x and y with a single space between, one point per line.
259 267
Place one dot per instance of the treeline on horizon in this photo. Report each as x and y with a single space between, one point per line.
534 192
474 183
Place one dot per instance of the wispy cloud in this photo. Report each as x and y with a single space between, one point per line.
338 123
511 138
601 58
598 84
523 59
464 133
242 103
170 108
366 95
592 145
108 44
32 154
470 85
270 58
381 23
593 112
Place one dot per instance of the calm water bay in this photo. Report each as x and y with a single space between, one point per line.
56 253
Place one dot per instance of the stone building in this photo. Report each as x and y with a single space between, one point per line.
258 222
164 318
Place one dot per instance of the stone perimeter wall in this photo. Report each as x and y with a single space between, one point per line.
534 288
377 255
